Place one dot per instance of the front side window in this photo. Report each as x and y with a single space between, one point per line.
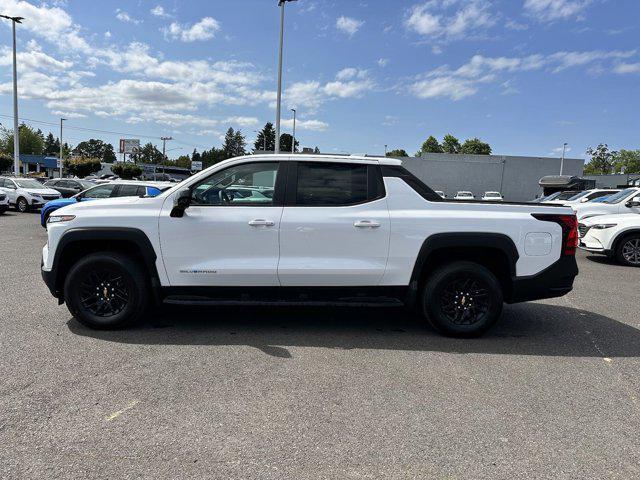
331 184
102 191
249 184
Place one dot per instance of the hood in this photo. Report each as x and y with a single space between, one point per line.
588 208
617 218
101 202
41 191
61 202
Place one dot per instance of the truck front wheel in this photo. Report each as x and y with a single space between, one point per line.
106 291
462 299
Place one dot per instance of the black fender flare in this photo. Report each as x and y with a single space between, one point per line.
93 234
440 241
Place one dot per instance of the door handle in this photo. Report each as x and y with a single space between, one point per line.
366 224
261 223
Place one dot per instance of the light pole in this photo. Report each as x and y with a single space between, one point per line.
61 120
293 142
385 149
164 149
279 97
564 147
16 132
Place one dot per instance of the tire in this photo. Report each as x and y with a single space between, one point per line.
22 205
628 250
462 299
121 288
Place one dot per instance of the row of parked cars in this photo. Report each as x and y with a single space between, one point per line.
467 195
26 194
609 221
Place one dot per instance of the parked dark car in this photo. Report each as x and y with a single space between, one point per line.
68 187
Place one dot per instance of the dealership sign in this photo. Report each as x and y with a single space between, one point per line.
129 145
196 166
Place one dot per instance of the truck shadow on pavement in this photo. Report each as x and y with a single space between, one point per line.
525 329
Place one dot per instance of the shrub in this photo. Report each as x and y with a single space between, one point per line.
81 167
126 170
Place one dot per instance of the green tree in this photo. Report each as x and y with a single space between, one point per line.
195 156
399 152
183 161
234 143
475 146
6 162
126 171
601 160
285 143
31 141
94 148
149 153
268 133
82 166
213 156
431 145
450 144
51 146
627 161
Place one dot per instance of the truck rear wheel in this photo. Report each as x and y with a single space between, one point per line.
106 291
462 299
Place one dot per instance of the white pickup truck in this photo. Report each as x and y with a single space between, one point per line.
319 230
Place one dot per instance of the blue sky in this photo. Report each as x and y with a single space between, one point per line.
524 75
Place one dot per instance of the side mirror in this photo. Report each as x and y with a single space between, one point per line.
181 202
584 200
634 202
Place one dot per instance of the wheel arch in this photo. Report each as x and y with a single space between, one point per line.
79 242
621 236
495 251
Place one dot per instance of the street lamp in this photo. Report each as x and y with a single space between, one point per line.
61 120
281 4
164 148
293 142
16 133
564 147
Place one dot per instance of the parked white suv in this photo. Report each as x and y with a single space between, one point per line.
586 196
464 195
4 202
26 193
492 197
343 230
617 236
625 201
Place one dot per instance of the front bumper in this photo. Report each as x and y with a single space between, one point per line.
554 281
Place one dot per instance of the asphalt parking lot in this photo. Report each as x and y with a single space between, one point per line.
552 392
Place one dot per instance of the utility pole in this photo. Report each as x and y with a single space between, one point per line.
279 96
16 130
293 142
164 149
564 147
61 120
385 149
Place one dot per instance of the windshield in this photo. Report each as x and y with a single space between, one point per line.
465 194
491 194
618 197
580 195
86 184
553 196
28 183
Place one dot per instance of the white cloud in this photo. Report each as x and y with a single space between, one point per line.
205 29
311 125
383 62
623 68
449 19
59 113
348 83
125 17
466 80
158 11
348 25
550 10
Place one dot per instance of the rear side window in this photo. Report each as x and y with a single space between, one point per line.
131 191
331 184
414 182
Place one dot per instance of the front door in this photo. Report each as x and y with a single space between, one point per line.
335 226
228 235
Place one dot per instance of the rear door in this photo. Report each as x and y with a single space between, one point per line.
335 225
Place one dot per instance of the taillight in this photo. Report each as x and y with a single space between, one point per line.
569 225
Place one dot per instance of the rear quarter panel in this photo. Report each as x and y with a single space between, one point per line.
413 220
